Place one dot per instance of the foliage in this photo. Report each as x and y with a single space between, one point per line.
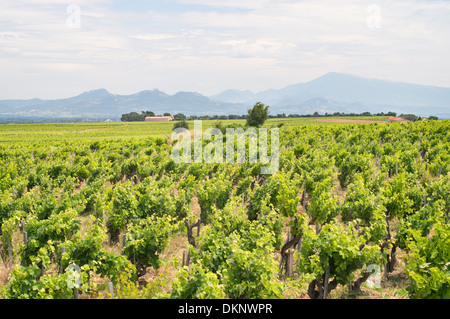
146 240
324 207
213 193
197 283
369 191
238 249
124 205
338 249
56 229
251 275
257 115
134 116
27 282
181 124
428 263
426 237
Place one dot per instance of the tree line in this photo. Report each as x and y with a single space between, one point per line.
134 116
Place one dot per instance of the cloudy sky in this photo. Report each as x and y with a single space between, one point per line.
56 48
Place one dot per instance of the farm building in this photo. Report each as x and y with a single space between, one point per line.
158 118
396 119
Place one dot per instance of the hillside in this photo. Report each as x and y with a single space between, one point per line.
330 93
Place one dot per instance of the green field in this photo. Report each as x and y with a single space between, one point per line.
110 199
119 130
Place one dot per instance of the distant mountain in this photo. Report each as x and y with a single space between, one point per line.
100 104
332 92
336 92
236 96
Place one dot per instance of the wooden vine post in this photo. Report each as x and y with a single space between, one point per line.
8 243
191 238
111 289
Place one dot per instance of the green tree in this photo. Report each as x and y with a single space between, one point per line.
179 117
257 115
144 114
136 117
181 124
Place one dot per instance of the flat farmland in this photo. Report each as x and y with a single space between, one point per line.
355 210
119 130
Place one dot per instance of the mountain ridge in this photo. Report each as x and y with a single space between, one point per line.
329 93
351 93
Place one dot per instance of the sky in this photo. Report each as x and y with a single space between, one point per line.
56 49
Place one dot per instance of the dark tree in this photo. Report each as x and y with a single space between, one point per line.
136 117
182 124
257 115
179 117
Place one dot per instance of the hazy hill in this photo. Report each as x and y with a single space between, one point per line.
335 92
332 92
101 104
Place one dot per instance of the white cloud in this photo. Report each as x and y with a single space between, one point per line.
248 4
153 36
254 44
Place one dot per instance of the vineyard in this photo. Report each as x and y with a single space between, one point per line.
354 211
